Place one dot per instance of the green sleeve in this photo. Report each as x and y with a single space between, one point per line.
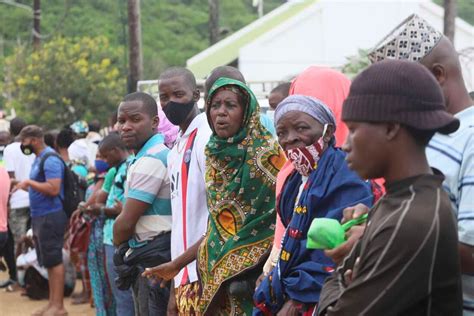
109 179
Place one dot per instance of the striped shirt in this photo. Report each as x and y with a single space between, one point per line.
408 257
454 155
148 181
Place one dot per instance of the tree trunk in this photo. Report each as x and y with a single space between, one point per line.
213 21
450 12
36 24
134 45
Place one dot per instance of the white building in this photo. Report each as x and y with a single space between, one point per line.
310 32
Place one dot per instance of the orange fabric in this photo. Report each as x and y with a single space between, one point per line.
329 86
281 177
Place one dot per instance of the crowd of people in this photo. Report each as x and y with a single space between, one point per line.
171 210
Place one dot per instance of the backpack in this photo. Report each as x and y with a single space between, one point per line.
74 191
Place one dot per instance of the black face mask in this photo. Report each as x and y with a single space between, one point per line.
26 149
178 112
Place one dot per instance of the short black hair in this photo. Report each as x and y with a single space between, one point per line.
65 138
148 103
111 141
422 137
94 126
283 88
50 138
16 125
471 94
219 72
173 72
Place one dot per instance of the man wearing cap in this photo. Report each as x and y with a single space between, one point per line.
48 219
415 40
406 262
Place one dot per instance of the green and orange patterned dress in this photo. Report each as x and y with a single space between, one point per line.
240 178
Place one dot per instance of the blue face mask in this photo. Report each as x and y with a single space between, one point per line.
101 166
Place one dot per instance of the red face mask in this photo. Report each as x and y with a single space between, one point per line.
305 159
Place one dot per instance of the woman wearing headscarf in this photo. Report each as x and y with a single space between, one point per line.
242 163
321 185
330 87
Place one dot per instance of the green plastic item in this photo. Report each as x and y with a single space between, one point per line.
328 233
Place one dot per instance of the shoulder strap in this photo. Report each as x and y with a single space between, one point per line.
46 156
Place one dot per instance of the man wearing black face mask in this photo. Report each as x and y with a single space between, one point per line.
48 219
186 168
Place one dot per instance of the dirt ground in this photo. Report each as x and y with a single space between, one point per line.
13 304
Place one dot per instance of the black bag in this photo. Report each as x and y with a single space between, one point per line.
74 186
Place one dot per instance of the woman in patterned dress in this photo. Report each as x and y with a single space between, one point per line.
242 163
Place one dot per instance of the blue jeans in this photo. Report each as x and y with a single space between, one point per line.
123 299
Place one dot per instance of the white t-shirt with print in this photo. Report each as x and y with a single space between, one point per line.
188 228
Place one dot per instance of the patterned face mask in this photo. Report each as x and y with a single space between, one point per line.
305 159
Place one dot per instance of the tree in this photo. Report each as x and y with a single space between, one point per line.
213 21
65 80
356 64
450 8
135 44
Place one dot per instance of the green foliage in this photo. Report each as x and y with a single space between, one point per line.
172 30
355 64
69 78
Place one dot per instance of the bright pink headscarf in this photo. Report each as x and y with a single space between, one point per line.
329 86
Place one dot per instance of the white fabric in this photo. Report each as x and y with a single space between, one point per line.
196 199
94 137
84 151
20 164
453 155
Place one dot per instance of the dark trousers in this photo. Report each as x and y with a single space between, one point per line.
7 246
152 299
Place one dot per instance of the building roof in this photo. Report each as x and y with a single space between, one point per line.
227 50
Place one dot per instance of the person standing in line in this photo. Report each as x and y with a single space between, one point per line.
48 218
114 153
18 166
186 166
6 248
416 40
142 231
406 262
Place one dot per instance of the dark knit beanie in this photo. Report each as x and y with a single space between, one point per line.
399 91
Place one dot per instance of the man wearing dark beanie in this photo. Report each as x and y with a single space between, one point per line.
406 262
416 40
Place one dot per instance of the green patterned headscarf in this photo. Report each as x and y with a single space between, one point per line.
240 178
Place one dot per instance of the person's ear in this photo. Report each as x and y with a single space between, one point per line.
392 130
440 73
329 133
196 95
155 122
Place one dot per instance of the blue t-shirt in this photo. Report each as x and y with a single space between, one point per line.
267 122
41 204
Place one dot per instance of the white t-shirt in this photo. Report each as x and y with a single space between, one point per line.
189 225
453 155
20 164
84 151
